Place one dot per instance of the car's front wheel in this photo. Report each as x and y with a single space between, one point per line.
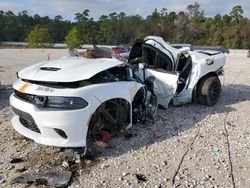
111 116
209 91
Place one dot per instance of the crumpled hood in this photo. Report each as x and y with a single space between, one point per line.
67 69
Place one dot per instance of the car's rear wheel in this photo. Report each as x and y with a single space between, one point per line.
209 91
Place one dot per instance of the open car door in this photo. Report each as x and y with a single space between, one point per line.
165 85
152 61
135 55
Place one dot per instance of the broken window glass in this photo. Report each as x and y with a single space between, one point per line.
164 63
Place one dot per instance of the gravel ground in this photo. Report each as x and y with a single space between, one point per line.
187 146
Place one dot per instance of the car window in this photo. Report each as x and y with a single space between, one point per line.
164 63
135 55
156 59
148 55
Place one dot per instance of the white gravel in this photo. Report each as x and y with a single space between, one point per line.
156 150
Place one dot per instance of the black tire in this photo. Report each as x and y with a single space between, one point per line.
110 116
209 91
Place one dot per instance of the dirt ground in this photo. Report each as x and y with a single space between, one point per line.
187 146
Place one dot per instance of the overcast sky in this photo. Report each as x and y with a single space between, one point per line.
67 8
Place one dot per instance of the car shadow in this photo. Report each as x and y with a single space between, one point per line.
172 121
5 92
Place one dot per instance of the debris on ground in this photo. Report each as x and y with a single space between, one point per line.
21 169
65 164
55 179
16 160
141 178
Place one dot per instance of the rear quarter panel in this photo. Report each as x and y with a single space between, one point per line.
201 68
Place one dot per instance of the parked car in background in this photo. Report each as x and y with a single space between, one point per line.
122 51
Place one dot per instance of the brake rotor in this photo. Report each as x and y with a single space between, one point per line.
105 136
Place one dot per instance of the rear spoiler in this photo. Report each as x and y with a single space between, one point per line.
215 48
192 47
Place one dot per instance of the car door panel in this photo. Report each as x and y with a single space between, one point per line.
158 61
165 85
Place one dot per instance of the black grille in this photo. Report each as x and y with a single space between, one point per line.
26 120
29 125
25 96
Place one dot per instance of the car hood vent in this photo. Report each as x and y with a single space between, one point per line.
49 68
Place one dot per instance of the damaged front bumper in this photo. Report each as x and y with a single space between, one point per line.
62 128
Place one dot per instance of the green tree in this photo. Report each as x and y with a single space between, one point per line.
58 29
236 30
168 29
73 38
196 25
154 23
39 37
231 30
86 27
236 13
181 27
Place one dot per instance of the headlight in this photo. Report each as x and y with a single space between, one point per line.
61 102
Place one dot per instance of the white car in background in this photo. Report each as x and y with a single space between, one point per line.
69 101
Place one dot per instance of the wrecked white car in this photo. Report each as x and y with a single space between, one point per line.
182 74
69 101
65 101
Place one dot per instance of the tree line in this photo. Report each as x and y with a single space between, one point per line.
231 30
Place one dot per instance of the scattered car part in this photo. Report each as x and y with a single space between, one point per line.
141 178
102 52
55 179
16 160
73 52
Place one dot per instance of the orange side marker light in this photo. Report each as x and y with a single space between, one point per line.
24 87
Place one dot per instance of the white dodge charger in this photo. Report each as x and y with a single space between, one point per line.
69 101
